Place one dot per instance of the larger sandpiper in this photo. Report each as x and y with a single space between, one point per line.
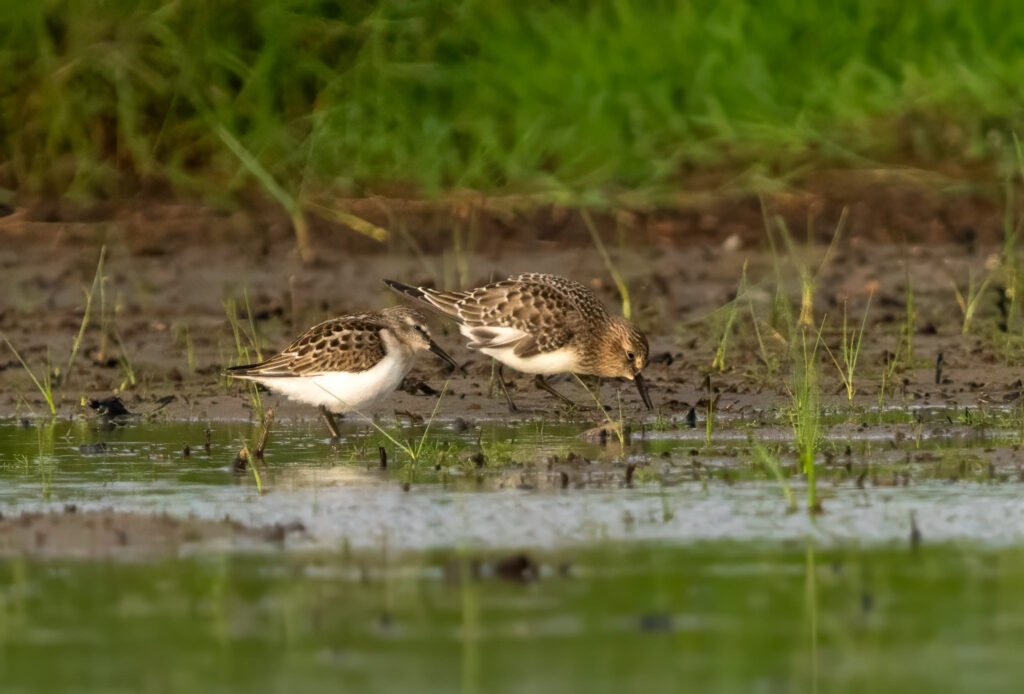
542 324
346 364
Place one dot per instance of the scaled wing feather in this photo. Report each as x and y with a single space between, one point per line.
350 344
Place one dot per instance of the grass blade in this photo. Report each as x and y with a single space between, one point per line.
96 281
609 265
45 388
270 184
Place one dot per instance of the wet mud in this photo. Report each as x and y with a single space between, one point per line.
161 337
110 534
911 258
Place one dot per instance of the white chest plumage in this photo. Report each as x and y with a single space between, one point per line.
348 391
560 361
503 342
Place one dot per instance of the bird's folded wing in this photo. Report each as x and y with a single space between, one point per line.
534 318
350 344
584 300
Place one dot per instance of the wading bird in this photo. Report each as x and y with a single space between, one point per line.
542 324
346 364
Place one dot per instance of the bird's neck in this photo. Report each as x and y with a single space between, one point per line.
593 353
395 348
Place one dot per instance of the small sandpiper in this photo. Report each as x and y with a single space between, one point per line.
542 324
346 364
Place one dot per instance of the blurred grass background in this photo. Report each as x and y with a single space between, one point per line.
102 98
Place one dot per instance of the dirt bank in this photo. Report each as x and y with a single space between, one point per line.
895 205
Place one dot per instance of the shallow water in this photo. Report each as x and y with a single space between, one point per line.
405 579
725 617
537 486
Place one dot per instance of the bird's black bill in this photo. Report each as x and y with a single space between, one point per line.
444 355
642 387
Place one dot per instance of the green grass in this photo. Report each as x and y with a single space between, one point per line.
242 348
802 332
573 99
969 299
615 425
44 381
771 462
1009 258
730 310
419 451
50 374
910 314
803 260
710 400
806 409
97 282
888 372
850 342
616 276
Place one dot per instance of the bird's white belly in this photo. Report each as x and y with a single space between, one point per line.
560 361
343 392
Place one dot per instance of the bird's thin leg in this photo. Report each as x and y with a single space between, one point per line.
544 385
504 389
329 420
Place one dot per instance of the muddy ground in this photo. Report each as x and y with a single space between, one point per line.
158 336
170 268
122 535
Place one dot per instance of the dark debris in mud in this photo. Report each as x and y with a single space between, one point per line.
111 407
519 567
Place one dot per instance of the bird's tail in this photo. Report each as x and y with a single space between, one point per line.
243 371
443 302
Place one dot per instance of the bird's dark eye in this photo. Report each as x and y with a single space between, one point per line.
630 356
